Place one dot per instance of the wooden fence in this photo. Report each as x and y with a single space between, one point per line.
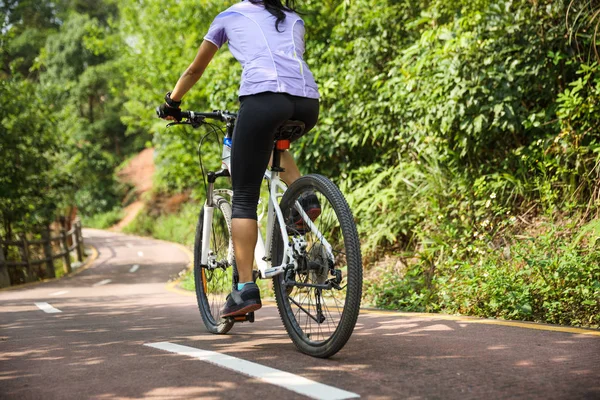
72 236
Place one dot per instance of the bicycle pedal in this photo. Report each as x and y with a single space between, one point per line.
243 318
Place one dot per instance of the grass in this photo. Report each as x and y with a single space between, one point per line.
549 273
187 281
178 227
103 220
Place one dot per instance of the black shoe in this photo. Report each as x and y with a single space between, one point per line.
311 206
241 302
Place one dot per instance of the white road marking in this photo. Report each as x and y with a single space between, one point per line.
104 282
59 293
141 253
129 245
273 376
47 308
134 268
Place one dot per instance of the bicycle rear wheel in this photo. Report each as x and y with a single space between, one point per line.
319 302
214 282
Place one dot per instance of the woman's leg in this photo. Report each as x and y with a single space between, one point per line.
307 111
291 171
258 118
244 233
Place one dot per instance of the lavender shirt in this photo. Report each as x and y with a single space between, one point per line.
271 61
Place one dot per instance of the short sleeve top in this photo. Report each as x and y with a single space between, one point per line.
272 61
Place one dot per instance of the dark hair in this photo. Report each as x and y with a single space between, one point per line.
277 9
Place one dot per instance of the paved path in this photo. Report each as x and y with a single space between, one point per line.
95 346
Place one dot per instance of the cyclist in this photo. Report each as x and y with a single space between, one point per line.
267 38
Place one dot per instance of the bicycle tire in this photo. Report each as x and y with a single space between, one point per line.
213 285
291 317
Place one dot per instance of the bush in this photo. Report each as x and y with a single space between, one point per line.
103 220
177 227
552 276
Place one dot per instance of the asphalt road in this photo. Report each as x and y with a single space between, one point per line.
97 346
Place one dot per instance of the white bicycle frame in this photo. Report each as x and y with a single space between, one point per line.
264 263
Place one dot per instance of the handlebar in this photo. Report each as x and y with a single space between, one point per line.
197 118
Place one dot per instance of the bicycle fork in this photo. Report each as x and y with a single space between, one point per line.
209 208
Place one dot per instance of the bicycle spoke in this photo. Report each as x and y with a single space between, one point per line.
313 314
219 273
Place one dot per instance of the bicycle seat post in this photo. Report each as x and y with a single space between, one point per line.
279 147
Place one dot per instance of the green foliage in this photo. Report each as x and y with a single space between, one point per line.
31 186
177 227
83 80
103 220
152 65
544 278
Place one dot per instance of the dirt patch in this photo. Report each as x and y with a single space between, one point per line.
161 203
138 173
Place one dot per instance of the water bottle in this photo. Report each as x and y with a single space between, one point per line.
226 155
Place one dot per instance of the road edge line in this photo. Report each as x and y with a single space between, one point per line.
486 321
88 263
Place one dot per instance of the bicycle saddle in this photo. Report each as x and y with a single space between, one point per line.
290 130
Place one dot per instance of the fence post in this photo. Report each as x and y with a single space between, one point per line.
4 277
79 241
63 238
25 244
46 235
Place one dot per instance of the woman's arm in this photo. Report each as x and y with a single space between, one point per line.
191 75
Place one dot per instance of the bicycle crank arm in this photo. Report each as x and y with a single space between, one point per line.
271 272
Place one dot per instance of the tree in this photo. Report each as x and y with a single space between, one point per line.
31 184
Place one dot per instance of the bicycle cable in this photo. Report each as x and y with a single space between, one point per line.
215 130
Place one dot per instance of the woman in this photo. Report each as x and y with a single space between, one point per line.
267 38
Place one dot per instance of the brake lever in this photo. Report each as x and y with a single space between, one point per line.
179 123
194 124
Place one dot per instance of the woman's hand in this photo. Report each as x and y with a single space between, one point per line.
170 113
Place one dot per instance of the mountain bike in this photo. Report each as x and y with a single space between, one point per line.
315 263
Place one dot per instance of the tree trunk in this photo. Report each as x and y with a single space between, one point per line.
4 277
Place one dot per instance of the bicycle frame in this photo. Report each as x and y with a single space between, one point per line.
264 263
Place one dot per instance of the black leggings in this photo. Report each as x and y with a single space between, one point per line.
258 118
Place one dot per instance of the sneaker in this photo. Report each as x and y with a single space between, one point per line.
241 302
311 206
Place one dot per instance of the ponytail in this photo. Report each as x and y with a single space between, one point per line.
276 9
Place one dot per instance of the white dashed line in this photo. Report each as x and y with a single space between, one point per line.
59 293
141 253
129 245
273 376
47 308
134 268
104 282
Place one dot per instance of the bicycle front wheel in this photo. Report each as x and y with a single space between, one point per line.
215 281
319 300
